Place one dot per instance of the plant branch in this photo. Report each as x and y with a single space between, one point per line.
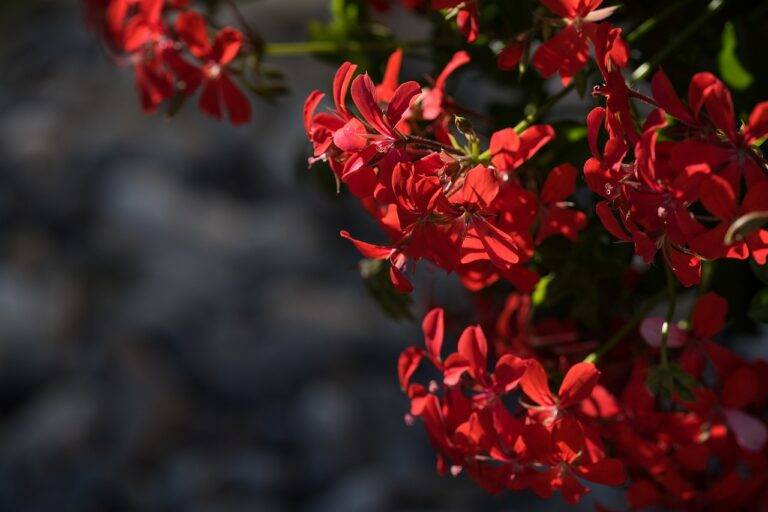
667 325
619 335
646 67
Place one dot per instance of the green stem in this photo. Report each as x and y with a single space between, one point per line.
667 325
619 335
653 21
646 67
332 47
542 109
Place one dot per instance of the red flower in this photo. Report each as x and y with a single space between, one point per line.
219 91
567 51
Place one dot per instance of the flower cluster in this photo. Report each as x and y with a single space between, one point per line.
464 209
677 178
679 183
507 430
174 53
548 442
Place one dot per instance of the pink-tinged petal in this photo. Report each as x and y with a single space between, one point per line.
310 106
467 22
401 102
364 96
474 348
407 364
578 383
650 330
750 432
192 29
352 136
388 85
665 95
560 183
371 251
757 128
709 315
611 224
341 85
433 328
238 106
536 385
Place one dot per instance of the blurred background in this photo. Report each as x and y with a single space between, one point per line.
180 326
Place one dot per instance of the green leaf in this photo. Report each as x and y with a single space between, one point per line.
758 310
731 69
540 293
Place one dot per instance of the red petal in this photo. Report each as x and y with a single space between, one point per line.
560 183
192 29
758 123
407 364
371 251
237 104
610 222
341 85
433 328
510 56
364 96
709 315
459 59
578 383
228 43
606 472
399 280
310 105
480 186
386 88
474 348
401 101
508 372
210 99
718 197
352 136
667 98
535 384
687 268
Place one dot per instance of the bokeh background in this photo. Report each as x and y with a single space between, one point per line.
180 326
